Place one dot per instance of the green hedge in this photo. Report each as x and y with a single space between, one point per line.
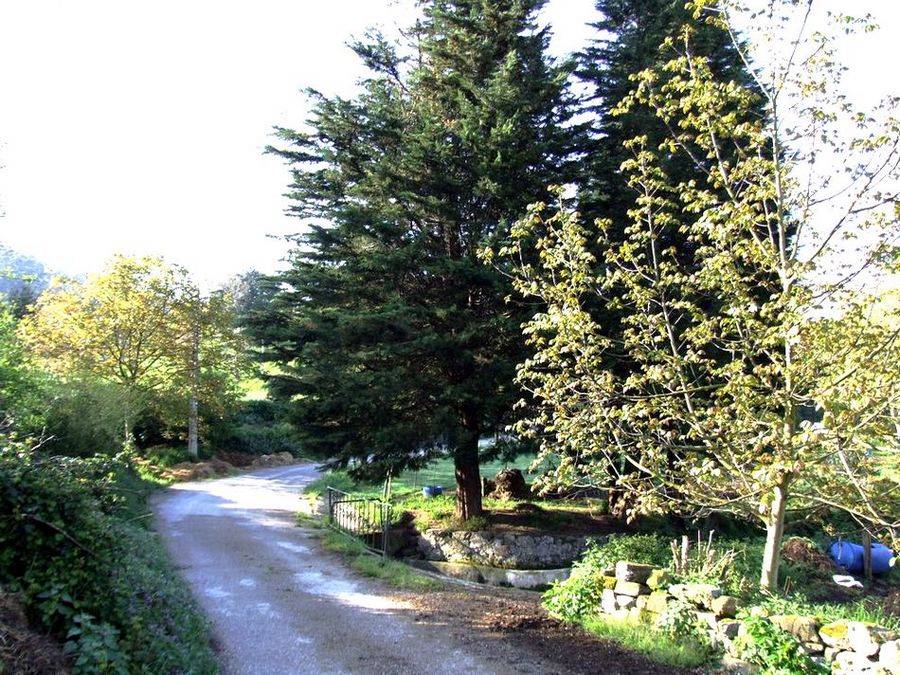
74 543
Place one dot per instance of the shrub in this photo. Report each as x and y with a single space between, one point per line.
257 428
85 418
166 455
339 480
774 650
89 573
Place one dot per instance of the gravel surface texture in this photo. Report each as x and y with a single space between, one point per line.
280 604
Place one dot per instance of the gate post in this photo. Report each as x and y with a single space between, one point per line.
385 528
329 505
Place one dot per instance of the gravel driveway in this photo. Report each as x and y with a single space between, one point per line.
278 604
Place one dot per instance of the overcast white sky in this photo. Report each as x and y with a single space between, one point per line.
138 127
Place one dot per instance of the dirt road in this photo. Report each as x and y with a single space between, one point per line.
277 603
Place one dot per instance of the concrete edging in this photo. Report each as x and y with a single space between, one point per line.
494 576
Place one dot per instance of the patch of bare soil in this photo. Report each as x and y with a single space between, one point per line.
22 650
804 552
241 460
511 628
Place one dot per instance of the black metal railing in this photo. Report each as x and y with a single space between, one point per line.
366 518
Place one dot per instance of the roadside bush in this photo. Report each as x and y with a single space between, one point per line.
85 418
72 545
166 455
339 480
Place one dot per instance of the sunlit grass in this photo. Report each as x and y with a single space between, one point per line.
656 645
393 573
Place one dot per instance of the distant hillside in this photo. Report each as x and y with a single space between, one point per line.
22 278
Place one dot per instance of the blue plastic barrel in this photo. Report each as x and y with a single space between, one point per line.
849 555
429 491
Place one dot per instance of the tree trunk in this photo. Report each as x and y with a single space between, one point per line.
193 449
468 479
774 532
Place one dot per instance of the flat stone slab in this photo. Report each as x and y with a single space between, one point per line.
495 576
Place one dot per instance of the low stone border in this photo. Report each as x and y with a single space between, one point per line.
643 593
495 576
508 550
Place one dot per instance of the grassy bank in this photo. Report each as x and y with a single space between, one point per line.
393 573
76 546
656 645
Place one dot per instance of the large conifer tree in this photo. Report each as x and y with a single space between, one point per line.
393 340
629 36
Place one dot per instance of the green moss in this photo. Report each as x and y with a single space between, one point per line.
836 630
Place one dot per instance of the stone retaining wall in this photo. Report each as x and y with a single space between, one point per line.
505 549
646 594
495 576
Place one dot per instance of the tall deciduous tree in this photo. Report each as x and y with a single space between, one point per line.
139 324
766 319
628 38
392 338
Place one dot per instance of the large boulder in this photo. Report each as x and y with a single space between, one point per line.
889 656
852 663
659 579
608 601
657 602
698 594
510 484
834 635
626 601
725 606
630 588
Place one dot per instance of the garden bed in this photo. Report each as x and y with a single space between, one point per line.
714 599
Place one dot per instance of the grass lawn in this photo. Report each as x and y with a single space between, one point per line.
560 516
438 472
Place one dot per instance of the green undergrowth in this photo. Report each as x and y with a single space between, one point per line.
656 645
392 572
805 589
76 545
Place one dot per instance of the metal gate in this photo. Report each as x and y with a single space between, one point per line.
367 518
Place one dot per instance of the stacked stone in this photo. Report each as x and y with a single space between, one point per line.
510 550
643 593
851 647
